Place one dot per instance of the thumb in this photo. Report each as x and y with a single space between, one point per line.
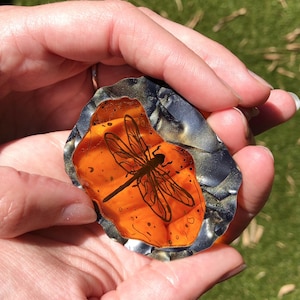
186 278
202 271
30 202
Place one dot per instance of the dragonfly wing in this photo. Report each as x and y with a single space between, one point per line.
168 186
121 153
136 142
153 198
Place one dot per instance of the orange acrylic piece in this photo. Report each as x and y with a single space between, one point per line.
144 185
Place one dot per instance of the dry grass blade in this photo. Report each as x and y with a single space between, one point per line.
292 60
252 234
290 37
252 229
286 289
192 23
271 49
164 14
223 21
272 66
272 56
283 3
260 275
246 238
179 5
258 234
280 245
293 47
292 185
286 73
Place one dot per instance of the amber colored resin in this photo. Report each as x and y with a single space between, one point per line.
144 185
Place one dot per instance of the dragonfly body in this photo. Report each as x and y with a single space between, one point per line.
156 186
157 160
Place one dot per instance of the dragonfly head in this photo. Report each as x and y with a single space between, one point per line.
160 158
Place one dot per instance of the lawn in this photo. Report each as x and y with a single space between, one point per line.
263 34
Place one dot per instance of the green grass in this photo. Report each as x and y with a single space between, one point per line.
274 261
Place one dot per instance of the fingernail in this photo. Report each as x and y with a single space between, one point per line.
240 100
296 99
250 112
233 272
267 150
78 213
261 80
245 118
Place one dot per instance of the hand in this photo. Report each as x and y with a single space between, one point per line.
46 60
44 68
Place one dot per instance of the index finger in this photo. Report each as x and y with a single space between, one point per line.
30 202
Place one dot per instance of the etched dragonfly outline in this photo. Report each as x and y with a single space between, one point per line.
152 181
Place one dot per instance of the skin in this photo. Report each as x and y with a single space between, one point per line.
46 54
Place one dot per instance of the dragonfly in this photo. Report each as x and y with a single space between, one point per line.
154 183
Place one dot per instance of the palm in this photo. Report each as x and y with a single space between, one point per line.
91 265
80 257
